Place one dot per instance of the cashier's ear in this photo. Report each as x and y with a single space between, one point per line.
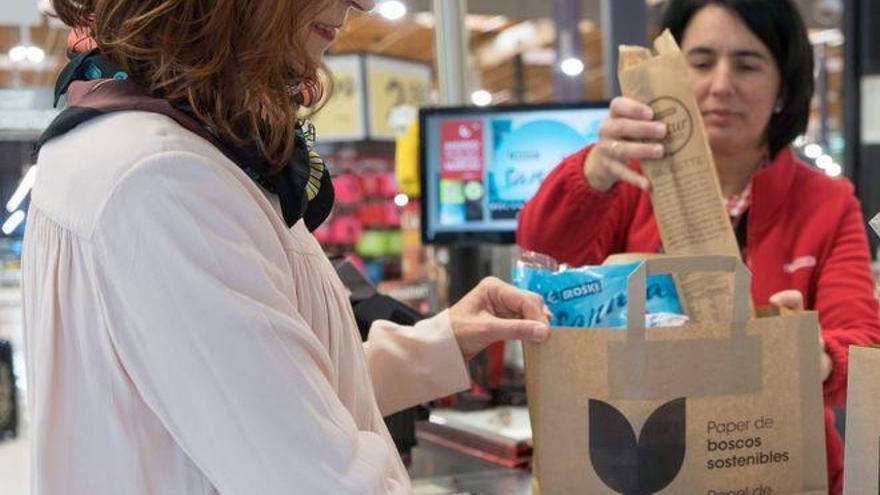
495 311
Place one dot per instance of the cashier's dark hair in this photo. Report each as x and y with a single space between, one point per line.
779 25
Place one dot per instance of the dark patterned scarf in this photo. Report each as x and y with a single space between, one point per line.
95 88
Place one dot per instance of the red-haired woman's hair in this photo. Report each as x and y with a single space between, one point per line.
235 62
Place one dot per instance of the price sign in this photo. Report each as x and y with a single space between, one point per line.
342 117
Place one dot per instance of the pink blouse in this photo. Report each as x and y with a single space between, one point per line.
180 339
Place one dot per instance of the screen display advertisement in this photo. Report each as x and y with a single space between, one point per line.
480 166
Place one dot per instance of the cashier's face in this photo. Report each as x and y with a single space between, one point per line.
736 80
325 27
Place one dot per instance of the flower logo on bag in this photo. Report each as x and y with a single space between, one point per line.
637 466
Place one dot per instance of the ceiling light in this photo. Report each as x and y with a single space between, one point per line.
516 36
18 53
572 66
35 54
24 187
824 162
481 98
813 151
46 7
834 170
12 222
392 9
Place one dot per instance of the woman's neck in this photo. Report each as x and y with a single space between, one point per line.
735 170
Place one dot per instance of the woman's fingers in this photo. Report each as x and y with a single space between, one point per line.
629 129
610 169
627 134
626 174
630 109
506 329
506 301
788 299
623 151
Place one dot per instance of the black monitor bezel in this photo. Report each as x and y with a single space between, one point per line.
481 236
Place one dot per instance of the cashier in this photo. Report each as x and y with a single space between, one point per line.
800 231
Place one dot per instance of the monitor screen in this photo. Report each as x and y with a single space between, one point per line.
480 165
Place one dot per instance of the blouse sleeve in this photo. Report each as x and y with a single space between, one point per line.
193 284
410 365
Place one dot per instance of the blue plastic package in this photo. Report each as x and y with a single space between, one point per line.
595 296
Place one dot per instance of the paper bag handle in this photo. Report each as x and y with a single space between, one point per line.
675 265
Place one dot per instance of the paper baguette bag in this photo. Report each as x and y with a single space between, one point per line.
685 194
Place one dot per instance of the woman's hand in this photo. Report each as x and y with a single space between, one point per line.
794 300
627 133
495 311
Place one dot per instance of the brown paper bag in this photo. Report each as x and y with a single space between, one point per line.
685 193
710 407
862 461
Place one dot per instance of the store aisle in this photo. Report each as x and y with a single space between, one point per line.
14 467
14 462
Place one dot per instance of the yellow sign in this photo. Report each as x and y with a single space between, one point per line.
373 98
396 89
342 117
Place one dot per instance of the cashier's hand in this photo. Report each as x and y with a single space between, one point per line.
495 311
794 300
627 133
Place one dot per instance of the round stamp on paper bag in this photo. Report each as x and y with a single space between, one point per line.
679 122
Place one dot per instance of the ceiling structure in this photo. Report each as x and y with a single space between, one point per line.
494 41
818 13
50 38
499 30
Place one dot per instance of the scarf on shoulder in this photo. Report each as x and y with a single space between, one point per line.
94 87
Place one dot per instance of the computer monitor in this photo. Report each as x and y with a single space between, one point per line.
480 165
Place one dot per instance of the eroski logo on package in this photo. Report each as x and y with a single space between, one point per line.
637 466
596 296
569 293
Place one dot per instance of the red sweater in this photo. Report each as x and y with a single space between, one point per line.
805 232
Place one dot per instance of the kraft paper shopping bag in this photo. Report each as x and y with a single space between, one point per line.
862 460
708 407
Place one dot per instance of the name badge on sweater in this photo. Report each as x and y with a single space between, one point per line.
799 263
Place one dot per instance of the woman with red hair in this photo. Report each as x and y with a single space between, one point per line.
184 332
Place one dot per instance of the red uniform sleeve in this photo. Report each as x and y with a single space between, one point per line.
572 222
845 300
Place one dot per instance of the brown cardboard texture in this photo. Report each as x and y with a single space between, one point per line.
862 460
708 406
